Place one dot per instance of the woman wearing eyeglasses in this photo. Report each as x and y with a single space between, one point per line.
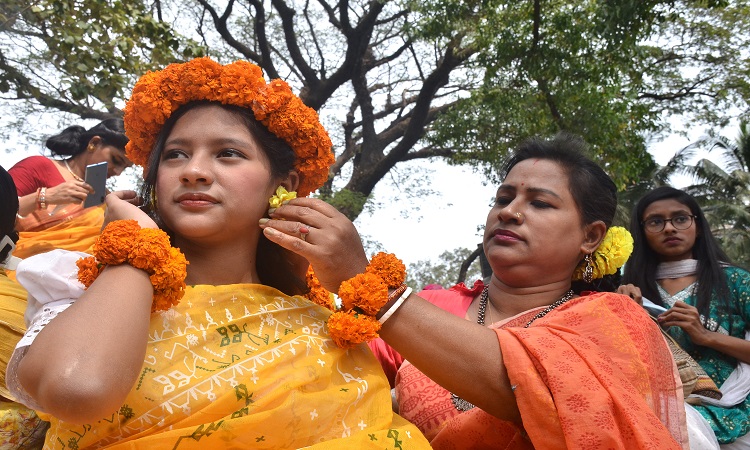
677 263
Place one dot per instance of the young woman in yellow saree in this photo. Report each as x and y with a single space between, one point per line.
207 346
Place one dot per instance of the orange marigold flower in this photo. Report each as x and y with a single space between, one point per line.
347 329
388 267
365 291
111 247
165 299
318 294
88 270
151 251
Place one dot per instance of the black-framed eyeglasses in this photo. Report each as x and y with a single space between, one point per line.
657 224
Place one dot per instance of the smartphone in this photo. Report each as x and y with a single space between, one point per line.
96 176
652 307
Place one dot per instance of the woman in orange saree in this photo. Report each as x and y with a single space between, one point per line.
604 380
51 191
533 359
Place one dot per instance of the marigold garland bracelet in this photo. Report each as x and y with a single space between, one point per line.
362 298
148 249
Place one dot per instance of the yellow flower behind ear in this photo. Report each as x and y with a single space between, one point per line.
612 254
281 196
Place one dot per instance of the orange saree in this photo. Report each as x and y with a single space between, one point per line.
593 374
74 228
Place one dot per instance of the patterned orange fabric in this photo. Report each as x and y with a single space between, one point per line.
593 374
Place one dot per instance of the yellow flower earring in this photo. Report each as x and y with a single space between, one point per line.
282 196
612 254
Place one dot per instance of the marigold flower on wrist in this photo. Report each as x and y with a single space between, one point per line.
88 270
362 297
147 249
365 291
348 328
388 267
113 247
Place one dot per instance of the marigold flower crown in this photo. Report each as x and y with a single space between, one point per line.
362 296
611 254
158 94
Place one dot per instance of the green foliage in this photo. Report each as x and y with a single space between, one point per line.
605 70
444 271
347 202
562 67
92 51
410 80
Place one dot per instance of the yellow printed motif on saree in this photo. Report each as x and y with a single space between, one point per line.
245 366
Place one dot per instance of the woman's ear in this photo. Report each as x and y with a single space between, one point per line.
291 182
94 142
594 234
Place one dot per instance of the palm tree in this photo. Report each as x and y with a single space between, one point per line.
651 178
724 194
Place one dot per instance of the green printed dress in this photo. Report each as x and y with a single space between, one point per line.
728 423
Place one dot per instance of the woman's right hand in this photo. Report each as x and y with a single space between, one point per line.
631 291
124 205
319 233
71 191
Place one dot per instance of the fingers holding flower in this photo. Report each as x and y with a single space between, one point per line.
321 234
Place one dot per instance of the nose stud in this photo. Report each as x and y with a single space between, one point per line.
519 216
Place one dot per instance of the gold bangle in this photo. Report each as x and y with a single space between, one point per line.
41 198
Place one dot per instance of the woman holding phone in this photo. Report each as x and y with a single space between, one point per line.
51 190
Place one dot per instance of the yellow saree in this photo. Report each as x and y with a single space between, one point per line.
245 366
12 326
19 426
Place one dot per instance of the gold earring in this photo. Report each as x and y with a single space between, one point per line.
90 148
152 200
588 271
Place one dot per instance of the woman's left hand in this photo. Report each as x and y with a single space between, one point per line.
686 317
321 234
631 291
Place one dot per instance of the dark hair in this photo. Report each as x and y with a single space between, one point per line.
592 189
641 268
8 210
73 140
274 267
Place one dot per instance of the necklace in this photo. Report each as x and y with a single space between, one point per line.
568 295
458 402
65 161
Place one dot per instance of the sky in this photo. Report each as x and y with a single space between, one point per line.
415 227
